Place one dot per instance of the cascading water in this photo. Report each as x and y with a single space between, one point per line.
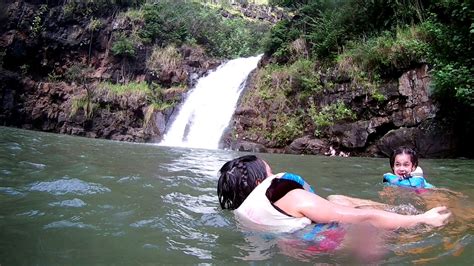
208 108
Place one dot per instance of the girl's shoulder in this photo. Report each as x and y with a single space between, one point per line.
297 179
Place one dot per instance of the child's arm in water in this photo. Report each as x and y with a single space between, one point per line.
299 203
356 202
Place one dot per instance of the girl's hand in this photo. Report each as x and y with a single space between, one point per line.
437 216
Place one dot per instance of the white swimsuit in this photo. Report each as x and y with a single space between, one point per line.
257 212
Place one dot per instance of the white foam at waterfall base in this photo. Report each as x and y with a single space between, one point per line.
209 106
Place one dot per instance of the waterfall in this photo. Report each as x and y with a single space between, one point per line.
209 106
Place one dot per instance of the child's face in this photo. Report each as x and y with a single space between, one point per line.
403 166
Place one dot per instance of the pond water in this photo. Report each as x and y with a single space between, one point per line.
71 200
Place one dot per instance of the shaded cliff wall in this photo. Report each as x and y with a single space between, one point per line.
402 114
42 45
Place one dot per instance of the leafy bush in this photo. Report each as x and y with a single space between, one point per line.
156 96
94 24
37 24
452 55
329 115
455 81
286 129
78 73
387 53
277 42
326 34
123 47
85 103
304 78
80 8
178 22
287 3
163 98
167 58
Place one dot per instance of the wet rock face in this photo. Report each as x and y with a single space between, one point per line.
406 117
307 145
32 96
9 95
48 107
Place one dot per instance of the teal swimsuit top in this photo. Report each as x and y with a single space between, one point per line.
412 181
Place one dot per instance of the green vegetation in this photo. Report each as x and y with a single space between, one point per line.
284 90
299 78
167 59
120 89
155 107
123 47
378 40
155 95
158 99
389 52
94 25
181 22
80 8
366 41
84 102
285 129
78 73
37 24
386 37
329 115
304 80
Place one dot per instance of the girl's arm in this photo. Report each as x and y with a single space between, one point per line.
356 202
391 178
299 203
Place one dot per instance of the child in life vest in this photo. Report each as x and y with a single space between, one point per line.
405 170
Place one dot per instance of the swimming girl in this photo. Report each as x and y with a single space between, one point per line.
405 170
285 202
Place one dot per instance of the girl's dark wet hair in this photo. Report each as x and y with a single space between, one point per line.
404 150
237 178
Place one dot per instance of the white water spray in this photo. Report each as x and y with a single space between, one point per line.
208 108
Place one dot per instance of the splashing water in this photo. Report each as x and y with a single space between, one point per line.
208 108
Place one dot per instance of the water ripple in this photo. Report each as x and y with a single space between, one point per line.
155 222
189 250
5 172
32 213
14 146
68 224
65 186
39 166
76 203
196 204
10 191
215 220
128 179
